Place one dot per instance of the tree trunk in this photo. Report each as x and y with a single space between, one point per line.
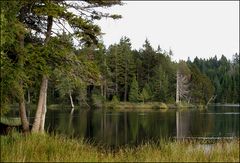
105 89
41 104
22 112
177 87
22 106
102 94
44 111
29 97
39 120
71 100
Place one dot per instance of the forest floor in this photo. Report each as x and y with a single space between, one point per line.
44 147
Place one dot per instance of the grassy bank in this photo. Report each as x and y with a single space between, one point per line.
150 105
57 148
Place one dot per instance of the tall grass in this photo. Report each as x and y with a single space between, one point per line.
43 148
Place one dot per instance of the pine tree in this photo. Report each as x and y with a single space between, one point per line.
144 95
36 19
133 94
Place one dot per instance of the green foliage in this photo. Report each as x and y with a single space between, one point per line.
201 87
117 70
121 67
163 106
97 100
160 83
224 75
114 102
28 50
144 95
133 94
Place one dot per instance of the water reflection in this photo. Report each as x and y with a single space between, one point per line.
118 128
133 127
113 128
198 124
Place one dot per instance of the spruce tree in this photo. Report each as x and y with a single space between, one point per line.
133 94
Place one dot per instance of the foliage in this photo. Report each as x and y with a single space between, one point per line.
97 100
134 94
144 95
117 70
224 75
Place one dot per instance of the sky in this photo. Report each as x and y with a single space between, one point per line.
190 28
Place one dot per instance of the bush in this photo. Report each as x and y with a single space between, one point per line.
98 100
163 106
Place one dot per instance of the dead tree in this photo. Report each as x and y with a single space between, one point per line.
182 87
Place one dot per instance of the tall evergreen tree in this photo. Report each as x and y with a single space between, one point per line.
134 94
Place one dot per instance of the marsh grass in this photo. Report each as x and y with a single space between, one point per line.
44 147
140 105
152 105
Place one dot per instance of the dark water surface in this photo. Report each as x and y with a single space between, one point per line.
115 128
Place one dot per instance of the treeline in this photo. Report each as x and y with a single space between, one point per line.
224 75
149 74
41 65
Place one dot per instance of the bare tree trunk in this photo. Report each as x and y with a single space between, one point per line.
177 87
39 120
182 87
44 111
41 102
211 99
71 100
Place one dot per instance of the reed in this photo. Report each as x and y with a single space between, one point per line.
45 147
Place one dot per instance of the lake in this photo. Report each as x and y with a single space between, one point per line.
114 128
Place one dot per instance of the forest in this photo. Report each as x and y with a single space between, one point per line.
42 64
91 73
60 85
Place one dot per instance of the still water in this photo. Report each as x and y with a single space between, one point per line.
133 127
114 128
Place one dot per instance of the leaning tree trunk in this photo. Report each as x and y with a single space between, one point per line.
71 99
22 111
44 111
39 120
41 104
22 106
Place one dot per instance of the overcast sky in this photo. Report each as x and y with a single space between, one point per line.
197 28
